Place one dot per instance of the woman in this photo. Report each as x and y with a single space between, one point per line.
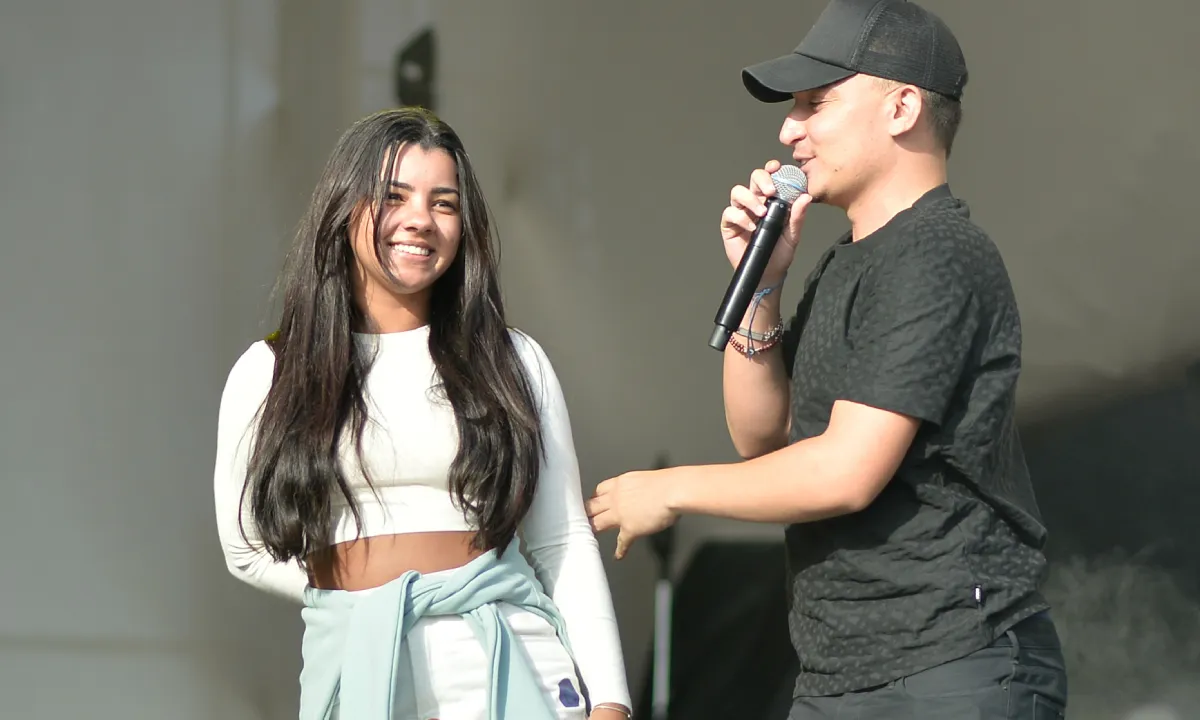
378 454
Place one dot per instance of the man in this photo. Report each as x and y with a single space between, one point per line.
878 423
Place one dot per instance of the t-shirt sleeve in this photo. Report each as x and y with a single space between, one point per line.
917 316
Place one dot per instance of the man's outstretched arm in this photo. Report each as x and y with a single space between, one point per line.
836 473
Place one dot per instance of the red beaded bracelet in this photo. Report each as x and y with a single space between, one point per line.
754 349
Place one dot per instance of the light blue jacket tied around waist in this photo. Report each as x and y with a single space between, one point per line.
354 642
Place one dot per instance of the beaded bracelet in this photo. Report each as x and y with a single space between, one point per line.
752 350
769 336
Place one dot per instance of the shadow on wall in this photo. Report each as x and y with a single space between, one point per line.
1117 486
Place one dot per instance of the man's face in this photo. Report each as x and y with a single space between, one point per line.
839 135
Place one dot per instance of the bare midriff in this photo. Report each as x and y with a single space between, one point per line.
370 562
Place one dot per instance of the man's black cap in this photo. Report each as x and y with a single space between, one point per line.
893 39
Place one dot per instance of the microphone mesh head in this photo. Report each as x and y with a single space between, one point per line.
790 183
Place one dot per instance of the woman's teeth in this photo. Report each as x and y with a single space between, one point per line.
414 250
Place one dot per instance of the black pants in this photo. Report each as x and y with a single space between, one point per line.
1022 676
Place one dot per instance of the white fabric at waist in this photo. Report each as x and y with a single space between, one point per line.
397 509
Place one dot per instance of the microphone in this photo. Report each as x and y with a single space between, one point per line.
790 183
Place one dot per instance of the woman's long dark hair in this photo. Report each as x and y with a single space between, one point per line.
317 393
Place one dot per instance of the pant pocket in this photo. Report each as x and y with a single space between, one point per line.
1046 709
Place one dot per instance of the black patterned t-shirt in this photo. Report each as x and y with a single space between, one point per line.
918 318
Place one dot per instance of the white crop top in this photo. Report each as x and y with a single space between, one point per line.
408 444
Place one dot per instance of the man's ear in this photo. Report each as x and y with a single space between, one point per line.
904 109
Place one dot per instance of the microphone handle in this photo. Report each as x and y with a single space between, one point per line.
749 273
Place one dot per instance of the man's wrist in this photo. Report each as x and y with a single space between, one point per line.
676 489
763 318
775 282
685 486
763 312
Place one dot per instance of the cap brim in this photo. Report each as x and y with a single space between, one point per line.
775 80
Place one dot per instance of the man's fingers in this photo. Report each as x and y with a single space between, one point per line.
602 521
597 505
742 197
761 181
604 487
799 208
622 546
734 217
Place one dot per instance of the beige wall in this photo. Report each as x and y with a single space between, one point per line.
140 216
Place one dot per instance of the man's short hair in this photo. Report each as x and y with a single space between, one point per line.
942 113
